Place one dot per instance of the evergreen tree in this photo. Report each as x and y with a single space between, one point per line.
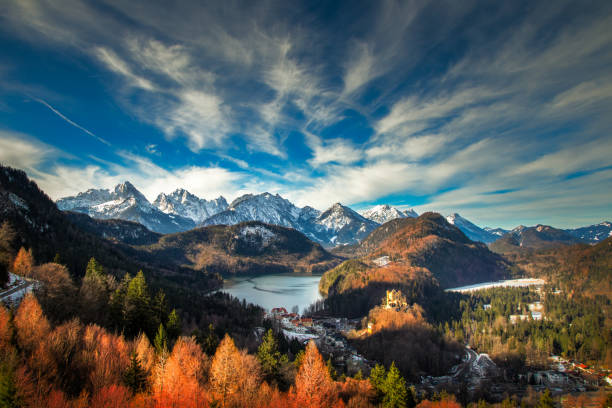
135 377
174 326
330 367
8 388
137 312
394 389
94 269
270 358
57 259
546 400
117 303
160 308
210 340
161 340
377 379
94 294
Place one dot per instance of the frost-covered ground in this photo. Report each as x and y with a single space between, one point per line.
514 283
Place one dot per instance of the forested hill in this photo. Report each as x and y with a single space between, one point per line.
579 269
39 225
417 255
246 248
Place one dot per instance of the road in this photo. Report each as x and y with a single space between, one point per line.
22 286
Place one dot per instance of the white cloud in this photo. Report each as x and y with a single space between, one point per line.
119 66
21 151
360 70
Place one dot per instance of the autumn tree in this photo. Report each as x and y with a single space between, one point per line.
9 396
234 375
546 400
31 324
24 262
313 384
56 293
6 331
7 235
179 381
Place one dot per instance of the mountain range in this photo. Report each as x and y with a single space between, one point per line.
339 225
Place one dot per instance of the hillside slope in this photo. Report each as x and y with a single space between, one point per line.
538 237
246 248
418 255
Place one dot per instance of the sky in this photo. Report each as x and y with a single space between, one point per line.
501 111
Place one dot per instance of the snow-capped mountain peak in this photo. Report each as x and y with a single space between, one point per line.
182 203
472 231
383 213
127 203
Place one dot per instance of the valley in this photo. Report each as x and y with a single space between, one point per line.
415 294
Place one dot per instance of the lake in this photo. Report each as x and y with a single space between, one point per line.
279 290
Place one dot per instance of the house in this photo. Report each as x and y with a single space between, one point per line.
486 307
517 318
279 311
536 315
306 321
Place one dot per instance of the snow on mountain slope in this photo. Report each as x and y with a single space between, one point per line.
127 203
343 225
182 203
496 231
472 231
265 207
593 233
411 213
382 213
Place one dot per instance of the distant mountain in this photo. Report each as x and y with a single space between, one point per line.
473 232
184 204
384 213
127 203
339 225
265 207
496 231
538 237
593 233
343 226
413 254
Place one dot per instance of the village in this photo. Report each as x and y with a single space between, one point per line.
328 333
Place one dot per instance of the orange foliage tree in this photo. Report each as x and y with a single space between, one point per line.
31 324
313 385
5 330
24 262
178 382
234 376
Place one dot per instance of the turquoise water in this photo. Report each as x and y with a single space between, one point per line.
279 290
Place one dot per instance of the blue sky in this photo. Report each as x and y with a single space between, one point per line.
501 111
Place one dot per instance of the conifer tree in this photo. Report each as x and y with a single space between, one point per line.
546 400
330 367
377 379
270 358
394 389
135 377
210 340
137 311
161 340
174 326
117 302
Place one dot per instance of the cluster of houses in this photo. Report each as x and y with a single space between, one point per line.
536 312
290 320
